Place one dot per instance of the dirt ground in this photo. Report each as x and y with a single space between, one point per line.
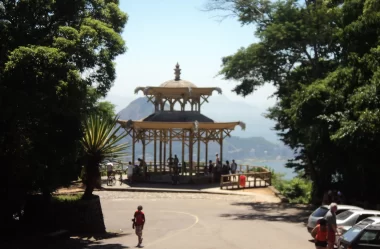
263 191
74 188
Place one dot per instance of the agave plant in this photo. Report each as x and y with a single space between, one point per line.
100 142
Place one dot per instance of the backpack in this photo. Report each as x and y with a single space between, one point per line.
139 218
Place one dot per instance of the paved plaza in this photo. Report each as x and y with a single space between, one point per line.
178 220
193 221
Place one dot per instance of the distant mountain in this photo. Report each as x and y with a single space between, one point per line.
138 109
222 109
234 147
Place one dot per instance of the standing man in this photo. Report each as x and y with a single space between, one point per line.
109 169
176 161
170 163
233 168
143 167
331 225
138 224
217 160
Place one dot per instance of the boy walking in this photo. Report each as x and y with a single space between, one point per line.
138 223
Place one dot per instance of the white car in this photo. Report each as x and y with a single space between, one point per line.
320 212
349 218
373 220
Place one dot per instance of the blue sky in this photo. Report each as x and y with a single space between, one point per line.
160 33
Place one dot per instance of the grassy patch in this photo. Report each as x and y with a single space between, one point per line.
68 197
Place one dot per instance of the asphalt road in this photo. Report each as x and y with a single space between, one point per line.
203 221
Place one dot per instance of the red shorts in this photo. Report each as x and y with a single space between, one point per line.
331 237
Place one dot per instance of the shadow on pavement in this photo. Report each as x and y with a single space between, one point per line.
272 212
74 242
167 185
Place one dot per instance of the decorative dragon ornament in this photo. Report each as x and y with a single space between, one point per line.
144 89
242 125
129 124
218 89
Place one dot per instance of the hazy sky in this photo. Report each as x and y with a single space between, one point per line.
160 33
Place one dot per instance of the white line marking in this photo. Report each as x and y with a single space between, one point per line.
178 231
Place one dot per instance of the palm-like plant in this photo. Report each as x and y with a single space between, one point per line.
100 142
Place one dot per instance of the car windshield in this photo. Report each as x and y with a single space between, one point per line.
344 215
367 221
351 234
320 212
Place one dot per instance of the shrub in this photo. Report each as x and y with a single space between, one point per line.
67 198
297 190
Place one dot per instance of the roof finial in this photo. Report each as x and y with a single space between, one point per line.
177 72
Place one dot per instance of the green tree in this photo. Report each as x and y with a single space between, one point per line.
101 141
322 56
105 109
52 57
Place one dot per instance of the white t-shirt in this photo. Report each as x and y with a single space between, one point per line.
130 170
109 166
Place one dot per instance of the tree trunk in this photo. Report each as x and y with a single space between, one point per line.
92 178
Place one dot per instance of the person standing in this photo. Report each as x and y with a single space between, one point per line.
211 170
143 167
319 233
233 169
331 225
170 164
109 169
176 165
130 172
217 160
138 223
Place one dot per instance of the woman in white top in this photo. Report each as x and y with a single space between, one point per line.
130 172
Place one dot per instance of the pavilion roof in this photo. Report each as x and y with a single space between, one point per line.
178 87
180 125
178 116
178 91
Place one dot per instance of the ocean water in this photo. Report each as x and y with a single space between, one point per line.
277 166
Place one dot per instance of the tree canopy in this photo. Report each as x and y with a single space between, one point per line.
56 60
323 58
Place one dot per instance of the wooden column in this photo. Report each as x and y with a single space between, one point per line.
133 146
183 151
160 151
221 145
165 140
143 146
199 151
191 144
206 149
170 149
155 151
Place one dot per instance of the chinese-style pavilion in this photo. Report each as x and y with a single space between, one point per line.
186 125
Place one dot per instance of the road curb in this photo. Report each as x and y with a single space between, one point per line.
185 191
278 194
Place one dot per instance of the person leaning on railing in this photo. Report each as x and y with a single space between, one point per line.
233 168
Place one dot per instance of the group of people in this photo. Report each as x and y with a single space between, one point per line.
335 196
326 230
215 170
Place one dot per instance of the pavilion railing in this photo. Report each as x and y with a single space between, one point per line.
197 169
259 177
